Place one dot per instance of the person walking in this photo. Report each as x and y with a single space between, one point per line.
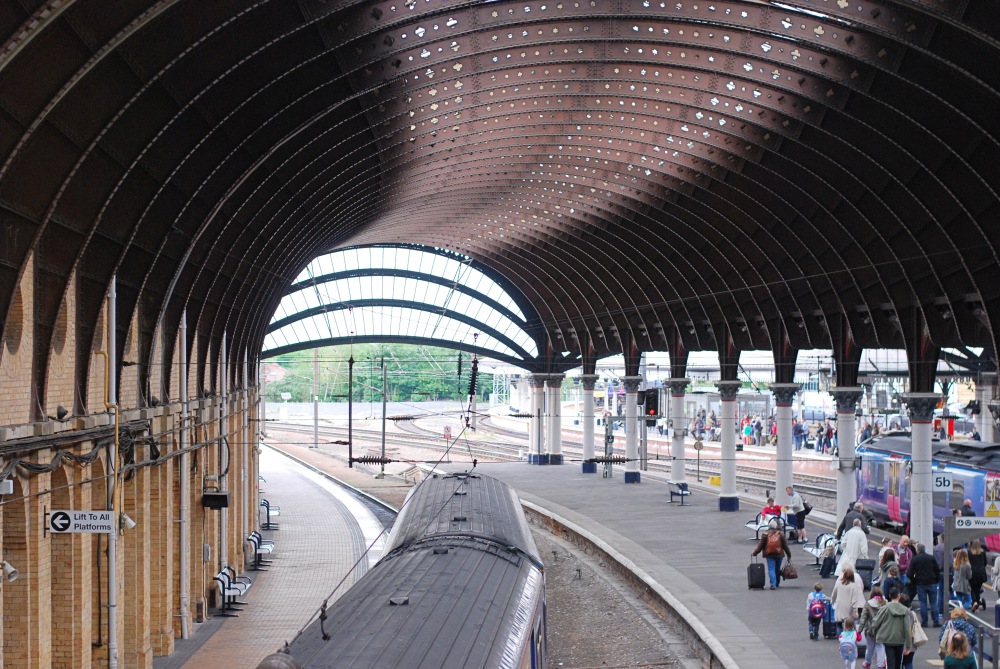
848 597
872 652
959 623
904 555
925 574
774 547
962 583
854 546
857 511
892 630
959 653
977 560
797 506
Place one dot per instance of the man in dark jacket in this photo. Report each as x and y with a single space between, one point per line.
925 573
857 512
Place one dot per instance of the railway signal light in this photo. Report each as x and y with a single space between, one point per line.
652 406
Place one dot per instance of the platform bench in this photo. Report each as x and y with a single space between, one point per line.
270 511
678 490
762 523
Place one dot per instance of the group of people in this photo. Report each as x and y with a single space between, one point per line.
825 431
904 598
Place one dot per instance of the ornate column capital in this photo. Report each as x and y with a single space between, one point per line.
537 380
994 408
921 406
555 380
677 386
589 381
847 399
784 393
728 390
632 383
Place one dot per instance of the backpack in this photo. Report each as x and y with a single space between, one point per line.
773 544
848 650
817 609
947 634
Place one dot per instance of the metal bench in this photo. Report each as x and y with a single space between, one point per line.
270 511
259 546
678 490
761 523
230 589
826 544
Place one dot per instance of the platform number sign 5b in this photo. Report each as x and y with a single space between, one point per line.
942 482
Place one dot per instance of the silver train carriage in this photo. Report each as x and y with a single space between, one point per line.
460 585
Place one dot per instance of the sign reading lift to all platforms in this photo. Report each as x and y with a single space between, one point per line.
81 521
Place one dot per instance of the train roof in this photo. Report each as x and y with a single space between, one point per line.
448 593
977 454
462 505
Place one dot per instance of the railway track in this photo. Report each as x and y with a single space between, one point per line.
509 445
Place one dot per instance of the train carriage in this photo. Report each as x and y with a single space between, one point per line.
461 584
883 479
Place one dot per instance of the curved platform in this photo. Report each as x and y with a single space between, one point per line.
693 554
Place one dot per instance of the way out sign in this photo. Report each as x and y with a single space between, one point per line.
81 521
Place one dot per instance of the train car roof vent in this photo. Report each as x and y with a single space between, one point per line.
399 600
459 519
441 551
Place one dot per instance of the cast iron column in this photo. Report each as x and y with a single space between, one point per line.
984 394
784 396
847 403
536 439
678 429
555 418
588 381
631 428
728 500
921 407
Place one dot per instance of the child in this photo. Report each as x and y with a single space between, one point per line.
815 610
849 639
771 509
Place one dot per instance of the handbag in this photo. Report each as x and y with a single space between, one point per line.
788 572
807 507
917 632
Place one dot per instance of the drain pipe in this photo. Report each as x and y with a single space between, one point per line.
184 480
244 482
111 403
223 456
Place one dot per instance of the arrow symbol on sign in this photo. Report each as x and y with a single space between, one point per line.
59 522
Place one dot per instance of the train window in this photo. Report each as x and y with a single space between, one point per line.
940 499
957 493
871 477
880 477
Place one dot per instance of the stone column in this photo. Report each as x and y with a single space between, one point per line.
631 428
985 386
728 500
678 429
784 396
588 381
536 440
555 418
847 404
921 407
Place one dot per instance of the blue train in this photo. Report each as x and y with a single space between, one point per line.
883 479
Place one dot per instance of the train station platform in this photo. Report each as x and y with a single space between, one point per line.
695 553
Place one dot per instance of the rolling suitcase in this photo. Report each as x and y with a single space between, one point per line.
829 624
756 577
865 569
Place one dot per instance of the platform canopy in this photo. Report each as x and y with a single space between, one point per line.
647 175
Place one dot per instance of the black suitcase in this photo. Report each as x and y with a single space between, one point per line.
865 569
756 577
828 567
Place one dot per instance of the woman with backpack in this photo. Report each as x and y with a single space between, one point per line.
872 652
774 547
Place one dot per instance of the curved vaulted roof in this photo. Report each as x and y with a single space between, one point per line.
726 174
404 294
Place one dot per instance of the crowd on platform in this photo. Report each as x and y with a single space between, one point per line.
905 594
